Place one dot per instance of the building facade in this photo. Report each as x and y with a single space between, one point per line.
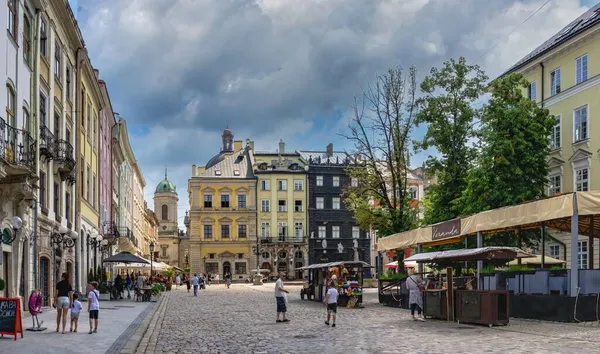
222 220
166 204
334 234
150 231
282 216
124 160
564 77
139 212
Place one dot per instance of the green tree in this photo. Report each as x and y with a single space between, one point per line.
380 131
515 143
447 107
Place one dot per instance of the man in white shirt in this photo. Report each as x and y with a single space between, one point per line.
280 297
331 300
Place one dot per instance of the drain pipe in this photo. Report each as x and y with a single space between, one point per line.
542 84
35 244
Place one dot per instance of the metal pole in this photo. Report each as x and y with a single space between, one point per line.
257 256
35 245
574 279
543 232
479 263
96 260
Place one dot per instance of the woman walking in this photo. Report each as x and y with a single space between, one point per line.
228 279
414 284
178 280
187 283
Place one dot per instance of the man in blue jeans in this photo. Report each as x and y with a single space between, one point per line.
195 282
280 297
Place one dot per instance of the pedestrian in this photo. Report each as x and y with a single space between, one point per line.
187 282
280 297
228 279
331 301
208 278
140 281
128 283
415 287
178 280
63 298
75 311
195 283
217 278
93 307
119 285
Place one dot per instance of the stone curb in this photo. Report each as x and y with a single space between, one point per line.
136 340
147 340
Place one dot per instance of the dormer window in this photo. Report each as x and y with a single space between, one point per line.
236 172
217 172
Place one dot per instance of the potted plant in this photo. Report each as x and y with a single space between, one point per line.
155 292
558 271
2 284
103 290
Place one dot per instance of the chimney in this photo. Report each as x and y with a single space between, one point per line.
281 146
329 150
193 170
237 145
97 73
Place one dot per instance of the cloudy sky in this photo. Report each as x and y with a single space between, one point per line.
180 71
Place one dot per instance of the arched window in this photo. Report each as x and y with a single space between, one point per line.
165 212
10 106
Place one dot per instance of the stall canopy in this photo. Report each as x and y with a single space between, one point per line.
470 254
537 260
335 264
157 266
394 265
125 257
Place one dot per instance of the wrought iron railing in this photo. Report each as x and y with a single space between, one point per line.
282 239
63 152
17 147
126 232
47 143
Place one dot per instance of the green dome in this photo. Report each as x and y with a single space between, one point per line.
165 186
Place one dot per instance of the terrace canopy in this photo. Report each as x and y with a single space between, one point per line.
576 213
470 254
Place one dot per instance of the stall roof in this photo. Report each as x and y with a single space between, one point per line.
554 212
472 254
335 264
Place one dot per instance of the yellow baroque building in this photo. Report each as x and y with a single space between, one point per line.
564 77
282 204
222 219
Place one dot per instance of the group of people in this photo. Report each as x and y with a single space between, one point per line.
200 280
131 283
65 299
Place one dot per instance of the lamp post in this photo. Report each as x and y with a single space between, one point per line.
94 240
62 237
151 257
204 258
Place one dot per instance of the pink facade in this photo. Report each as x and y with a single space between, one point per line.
107 121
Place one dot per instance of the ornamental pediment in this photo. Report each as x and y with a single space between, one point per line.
241 220
225 190
227 254
208 220
208 191
225 220
242 190
555 162
580 154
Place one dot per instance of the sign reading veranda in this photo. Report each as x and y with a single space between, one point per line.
445 230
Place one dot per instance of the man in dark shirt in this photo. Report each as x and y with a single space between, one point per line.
63 298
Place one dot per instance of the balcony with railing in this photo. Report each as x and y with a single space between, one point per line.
127 241
72 176
64 158
47 143
282 239
17 149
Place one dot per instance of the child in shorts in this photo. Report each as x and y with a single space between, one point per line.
331 300
75 311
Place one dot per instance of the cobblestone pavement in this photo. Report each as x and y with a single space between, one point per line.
241 320
118 320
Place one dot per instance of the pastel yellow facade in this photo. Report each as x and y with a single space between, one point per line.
222 219
564 76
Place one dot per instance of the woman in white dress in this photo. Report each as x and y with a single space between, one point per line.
178 280
414 284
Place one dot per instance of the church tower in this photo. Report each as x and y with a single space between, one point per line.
165 207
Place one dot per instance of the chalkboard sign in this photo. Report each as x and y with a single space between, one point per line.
10 317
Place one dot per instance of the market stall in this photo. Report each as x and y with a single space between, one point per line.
348 277
489 307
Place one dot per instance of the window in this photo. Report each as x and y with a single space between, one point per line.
322 231
57 60
298 206
265 205
43 192
298 185
336 181
69 82
224 200
94 191
580 124
335 203
42 110
56 125
298 231
554 185
82 163
208 201
320 203
282 230
413 192
43 39
89 119
354 182
13 24
68 206
355 232
555 135
87 188
582 254
68 135
265 230
27 39
265 185
281 206
164 252
26 120
94 129
282 185
164 212
240 256
56 205
225 229
208 231
555 82
217 172
83 108
319 181
555 251
240 267
236 172
10 107
241 199
581 69
335 231
242 231
532 91
581 180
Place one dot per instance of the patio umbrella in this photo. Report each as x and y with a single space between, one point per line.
125 257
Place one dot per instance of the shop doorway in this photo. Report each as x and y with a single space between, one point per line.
45 279
226 268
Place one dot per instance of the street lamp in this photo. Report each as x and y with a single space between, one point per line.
94 239
151 257
62 237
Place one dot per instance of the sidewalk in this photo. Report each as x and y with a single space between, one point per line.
118 321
